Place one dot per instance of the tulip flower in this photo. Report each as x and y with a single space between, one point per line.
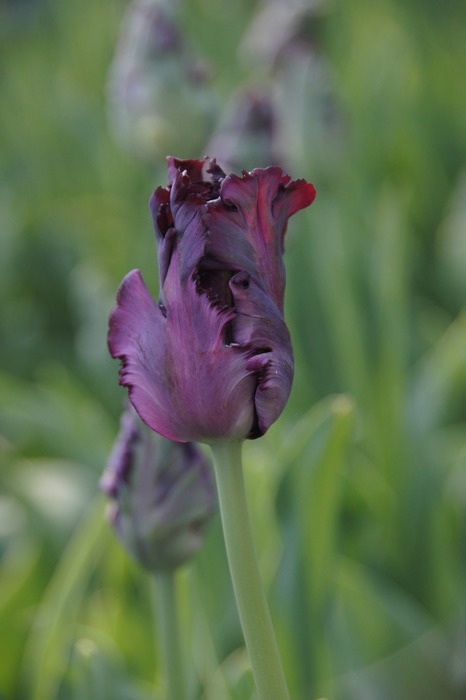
213 358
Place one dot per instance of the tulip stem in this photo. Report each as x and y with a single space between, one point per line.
168 633
250 597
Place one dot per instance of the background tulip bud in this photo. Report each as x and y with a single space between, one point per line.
246 135
286 41
158 90
161 495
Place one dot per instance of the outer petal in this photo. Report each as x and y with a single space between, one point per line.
183 382
260 327
136 336
290 199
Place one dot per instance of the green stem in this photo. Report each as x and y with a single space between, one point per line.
169 636
250 598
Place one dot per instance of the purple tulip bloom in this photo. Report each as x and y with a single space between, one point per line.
213 359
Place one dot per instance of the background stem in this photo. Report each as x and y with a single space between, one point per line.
252 605
169 636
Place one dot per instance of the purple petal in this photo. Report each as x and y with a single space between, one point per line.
247 227
290 199
260 327
135 330
121 457
183 381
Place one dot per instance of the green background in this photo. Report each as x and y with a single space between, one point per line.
358 493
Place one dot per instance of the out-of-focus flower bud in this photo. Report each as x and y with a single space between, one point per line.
245 137
158 90
161 495
285 42
278 27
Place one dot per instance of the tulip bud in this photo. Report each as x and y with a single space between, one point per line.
246 135
286 42
158 90
161 495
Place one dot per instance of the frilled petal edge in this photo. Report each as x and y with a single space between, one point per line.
183 381
262 332
135 337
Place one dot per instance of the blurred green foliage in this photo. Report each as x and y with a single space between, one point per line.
358 493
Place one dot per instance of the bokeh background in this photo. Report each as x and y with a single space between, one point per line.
358 493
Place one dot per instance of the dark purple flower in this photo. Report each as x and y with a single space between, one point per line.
213 359
161 493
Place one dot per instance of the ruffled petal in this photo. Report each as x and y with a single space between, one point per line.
174 365
136 336
259 327
188 209
297 195
247 226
